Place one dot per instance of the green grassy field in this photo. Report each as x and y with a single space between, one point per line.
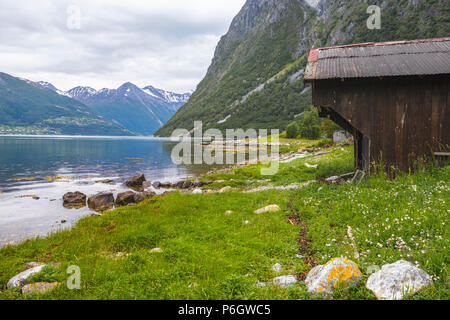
209 255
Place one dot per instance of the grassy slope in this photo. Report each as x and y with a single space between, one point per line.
222 258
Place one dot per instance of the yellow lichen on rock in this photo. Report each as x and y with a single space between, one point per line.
337 272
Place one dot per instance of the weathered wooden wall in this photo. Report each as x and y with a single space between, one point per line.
404 117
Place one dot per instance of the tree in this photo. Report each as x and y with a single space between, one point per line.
328 128
292 130
310 125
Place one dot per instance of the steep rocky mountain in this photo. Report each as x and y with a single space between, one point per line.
255 79
142 111
35 108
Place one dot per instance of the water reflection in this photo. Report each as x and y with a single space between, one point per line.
28 163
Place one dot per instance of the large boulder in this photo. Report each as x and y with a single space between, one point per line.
40 287
395 280
101 202
20 279
136 183
74 200
325 278
125 198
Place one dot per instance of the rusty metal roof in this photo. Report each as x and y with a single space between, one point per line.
383 59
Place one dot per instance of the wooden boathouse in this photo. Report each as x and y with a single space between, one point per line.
393 97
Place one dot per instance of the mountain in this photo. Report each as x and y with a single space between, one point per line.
255 79
35 108
142 111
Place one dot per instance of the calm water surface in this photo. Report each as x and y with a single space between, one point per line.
80 162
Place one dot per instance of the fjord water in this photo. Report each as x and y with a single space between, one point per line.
29 165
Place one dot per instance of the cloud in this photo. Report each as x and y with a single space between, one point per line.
168 44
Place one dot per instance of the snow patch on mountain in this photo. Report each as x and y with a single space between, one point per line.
313 3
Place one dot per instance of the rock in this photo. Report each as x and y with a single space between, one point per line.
146 184
56 264
166 185
210 191
107 181
197 191
141 196
332 179
63 221
156 185
299 256
31 265
156 250
393 280
125 198
121 254
229 213
74 200
136 182
284 281
101 202
19 280
277 267
311 166
204 183
187 184
179 184
226 189
325 278
40 287
36 198
271 208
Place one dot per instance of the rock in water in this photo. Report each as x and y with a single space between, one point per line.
271 208
19 280
40 287
125 198
156 185
395 280
101 202
74 200
136 183
187 184
325 278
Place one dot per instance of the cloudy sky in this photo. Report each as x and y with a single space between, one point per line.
104 43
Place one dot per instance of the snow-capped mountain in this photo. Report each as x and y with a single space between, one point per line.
168 96
140 110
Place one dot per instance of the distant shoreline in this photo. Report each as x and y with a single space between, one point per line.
85 137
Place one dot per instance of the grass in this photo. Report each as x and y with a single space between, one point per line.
209 255
338 161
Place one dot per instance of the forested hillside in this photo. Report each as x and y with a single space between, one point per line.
255 78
